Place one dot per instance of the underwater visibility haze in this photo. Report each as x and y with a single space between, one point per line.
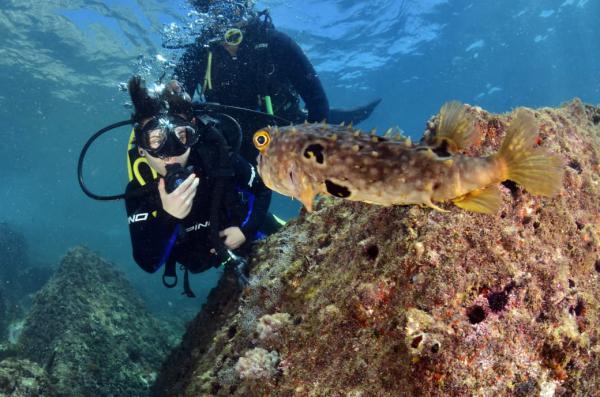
64 65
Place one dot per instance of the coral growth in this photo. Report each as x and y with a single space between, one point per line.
407 301
257 363
269 326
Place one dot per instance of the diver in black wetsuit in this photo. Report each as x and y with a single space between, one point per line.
254 66
181 225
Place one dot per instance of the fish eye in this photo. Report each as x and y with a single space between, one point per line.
261 139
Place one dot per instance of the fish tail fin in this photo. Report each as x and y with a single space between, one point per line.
532 167
456 127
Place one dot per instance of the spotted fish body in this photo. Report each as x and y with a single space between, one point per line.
305 160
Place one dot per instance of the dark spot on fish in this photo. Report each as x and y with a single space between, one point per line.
416 341
315 150
536 225
571 283
435 348
336 190
372 252
576 165
442 149
497 301
512 186
476 314
597 265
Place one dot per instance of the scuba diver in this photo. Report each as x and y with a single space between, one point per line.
241 60
208 204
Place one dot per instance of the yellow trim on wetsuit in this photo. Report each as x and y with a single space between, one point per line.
129 147
134 169
208 74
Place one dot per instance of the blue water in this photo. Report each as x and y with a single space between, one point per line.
60 66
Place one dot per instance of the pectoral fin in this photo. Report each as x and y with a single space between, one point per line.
487 200
307 195
456 130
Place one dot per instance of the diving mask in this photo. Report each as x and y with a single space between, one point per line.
225 19
233 36
167 136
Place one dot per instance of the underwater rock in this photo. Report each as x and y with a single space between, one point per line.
23 378
91 332
408 301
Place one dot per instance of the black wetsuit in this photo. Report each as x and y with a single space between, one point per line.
267 62
245 202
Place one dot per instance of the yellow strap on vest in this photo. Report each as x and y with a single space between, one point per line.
129 147
134 169
208 74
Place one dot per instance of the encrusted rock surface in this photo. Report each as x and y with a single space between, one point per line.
23 378
407 301
91 333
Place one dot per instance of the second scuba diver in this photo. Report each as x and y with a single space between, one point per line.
243 61
209 203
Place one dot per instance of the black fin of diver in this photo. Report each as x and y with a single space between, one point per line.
354 116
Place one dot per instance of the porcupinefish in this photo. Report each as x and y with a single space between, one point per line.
305 160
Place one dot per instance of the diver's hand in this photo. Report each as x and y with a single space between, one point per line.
178 203
234 237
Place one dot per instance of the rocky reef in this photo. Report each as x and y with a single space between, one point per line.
23 378
359 300
87 333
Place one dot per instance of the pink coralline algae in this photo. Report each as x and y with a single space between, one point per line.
407 301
